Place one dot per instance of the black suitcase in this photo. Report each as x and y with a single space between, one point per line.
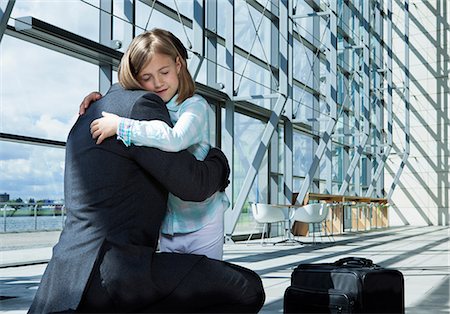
349 285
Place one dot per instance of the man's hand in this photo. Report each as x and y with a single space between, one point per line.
87 101
105 127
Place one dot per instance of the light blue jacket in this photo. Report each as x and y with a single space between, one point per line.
191 132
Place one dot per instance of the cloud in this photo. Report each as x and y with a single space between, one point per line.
40 91
44 87
34 172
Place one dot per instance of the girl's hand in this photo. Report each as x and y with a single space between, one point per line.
105 127
88 100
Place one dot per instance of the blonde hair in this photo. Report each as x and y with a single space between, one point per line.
140 53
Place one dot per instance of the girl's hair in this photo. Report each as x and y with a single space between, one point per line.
140 53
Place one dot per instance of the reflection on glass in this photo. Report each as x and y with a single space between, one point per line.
304 150
248 134
79 17
252 32
251 79
303 64
41 89
146 19
303 105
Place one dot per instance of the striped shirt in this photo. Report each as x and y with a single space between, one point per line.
191 132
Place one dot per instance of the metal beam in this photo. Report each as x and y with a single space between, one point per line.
365 103
388 149
4 17
198 47
228 135
228 150
49 36
106 25
301 16
229 49
7 137
325 139
407 104
286 82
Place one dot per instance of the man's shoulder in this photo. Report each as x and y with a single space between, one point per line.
117 91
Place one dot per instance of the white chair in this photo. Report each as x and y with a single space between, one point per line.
266 214
312 213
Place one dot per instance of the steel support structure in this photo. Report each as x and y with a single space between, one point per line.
365 127
255 163
325 139
286 57
388 102
106 25
4 17
198 47
407 104
228 131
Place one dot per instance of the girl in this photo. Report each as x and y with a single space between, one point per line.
156 61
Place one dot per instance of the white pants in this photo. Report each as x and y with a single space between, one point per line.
206 241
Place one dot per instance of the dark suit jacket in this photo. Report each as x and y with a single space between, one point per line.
117 195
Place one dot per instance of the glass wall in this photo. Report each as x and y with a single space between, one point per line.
253 58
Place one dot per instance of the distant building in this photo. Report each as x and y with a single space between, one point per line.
4 197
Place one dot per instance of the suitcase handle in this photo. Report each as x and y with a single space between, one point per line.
356 261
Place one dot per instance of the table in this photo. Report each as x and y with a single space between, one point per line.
289 213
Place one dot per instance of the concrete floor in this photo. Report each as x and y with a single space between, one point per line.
420 253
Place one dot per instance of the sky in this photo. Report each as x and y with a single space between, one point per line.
40 94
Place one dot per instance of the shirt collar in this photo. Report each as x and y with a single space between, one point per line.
173 102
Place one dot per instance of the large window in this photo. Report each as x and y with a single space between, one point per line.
41 89
249 60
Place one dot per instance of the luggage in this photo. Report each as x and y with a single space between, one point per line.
349 285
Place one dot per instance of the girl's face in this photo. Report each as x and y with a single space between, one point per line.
160 76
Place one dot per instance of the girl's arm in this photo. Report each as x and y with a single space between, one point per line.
186 132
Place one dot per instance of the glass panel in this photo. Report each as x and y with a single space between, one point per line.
122 28
337 171
304 150
79 17
281 146
251 79
303 104
304 26
303 64
252 30
41 89
31 171
222 71
298 183
212 123
364 178
323 79
148 19
248 133
185 8
270 5
225 10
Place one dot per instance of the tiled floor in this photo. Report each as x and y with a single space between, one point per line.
420 253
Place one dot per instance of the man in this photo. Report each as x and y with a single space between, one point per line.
105 260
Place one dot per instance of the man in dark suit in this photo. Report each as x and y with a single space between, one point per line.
115 196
